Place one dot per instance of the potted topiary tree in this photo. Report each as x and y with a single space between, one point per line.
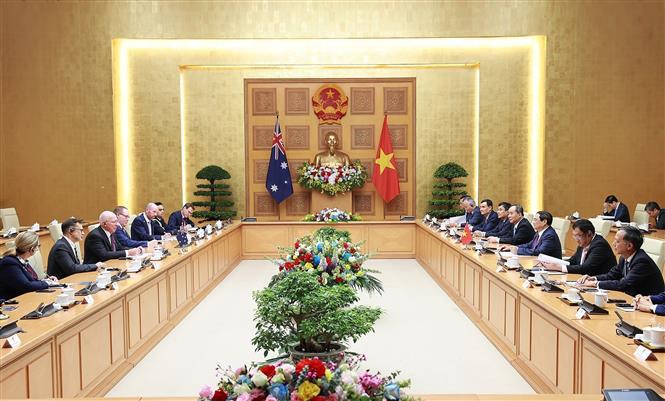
446 192
214 191
300 315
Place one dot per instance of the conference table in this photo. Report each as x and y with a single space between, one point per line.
85 350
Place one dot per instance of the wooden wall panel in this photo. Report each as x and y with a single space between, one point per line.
95 343
353 139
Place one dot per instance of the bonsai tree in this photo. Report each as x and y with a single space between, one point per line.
446 192
214 191
297 312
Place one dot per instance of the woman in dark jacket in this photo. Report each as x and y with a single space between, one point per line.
16 275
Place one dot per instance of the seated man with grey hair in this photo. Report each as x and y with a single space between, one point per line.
472 212
142 225
636 273
101 243
522 231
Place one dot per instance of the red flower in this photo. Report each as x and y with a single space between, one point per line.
220 395
314 366
288 265
339 279
346 245
297 261
353 250
320 398
297 244
268 370
308 257
328 261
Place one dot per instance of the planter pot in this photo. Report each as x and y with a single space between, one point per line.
335 355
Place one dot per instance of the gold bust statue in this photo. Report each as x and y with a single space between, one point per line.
331 157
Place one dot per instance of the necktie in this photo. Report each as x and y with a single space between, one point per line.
584 251
626 267
76 252
112 239
149 225
536 242
31 271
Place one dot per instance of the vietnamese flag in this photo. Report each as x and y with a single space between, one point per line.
466 236
385 177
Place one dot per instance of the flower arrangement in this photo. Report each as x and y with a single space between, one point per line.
332 180
308 380
332 257
332 215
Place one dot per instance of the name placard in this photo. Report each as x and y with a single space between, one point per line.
500 269
12 342
643 353
88 299
114 286
527 284
582 314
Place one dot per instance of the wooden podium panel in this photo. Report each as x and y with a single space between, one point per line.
321 201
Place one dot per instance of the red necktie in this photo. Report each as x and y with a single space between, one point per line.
112 238
31 271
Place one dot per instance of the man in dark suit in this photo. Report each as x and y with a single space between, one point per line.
142 224
64 258
121 234
636 272
522 231
180 218
101 244
503 227
654 303
545 241
471 212
653 210
158 224
488 215
593 256
612 207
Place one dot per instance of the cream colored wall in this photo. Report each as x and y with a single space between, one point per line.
604 92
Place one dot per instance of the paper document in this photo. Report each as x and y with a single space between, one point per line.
601 216
457 219
549 259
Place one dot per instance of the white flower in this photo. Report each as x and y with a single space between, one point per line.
260 379
349 377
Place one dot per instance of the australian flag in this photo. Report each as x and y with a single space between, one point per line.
278 181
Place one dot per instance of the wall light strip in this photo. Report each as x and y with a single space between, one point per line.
476 138
123 145
325 66
536 122
183 143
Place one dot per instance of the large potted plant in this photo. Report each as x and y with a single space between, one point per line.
298 314
447 192
215 191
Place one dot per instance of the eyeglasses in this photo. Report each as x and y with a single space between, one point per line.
161 210
124 215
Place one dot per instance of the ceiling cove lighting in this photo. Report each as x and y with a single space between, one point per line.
387 48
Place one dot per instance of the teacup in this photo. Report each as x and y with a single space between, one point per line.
600 298
103 279
573 294
655 335
540 277
62 300
69 293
